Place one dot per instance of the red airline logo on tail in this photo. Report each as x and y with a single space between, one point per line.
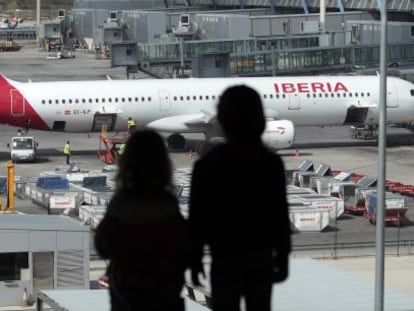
15 110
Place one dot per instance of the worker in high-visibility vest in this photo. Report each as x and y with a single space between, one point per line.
131 125
121 148
66 152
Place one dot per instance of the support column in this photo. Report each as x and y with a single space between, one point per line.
341 6
305 6
38 21
322 15
272 7
214 4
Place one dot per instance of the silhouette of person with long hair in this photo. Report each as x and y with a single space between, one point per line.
238 207
143 233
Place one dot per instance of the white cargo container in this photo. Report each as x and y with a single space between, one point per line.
335 206
91 214
63 201
321 184
308 219
335 186
295 190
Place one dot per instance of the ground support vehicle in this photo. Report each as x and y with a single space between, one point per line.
109 148
23 148
395 208
363 132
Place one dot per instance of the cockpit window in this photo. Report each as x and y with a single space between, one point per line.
412 92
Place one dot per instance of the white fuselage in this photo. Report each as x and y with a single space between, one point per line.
306 101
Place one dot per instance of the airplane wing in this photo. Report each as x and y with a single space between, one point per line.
362 104
186 123
109 110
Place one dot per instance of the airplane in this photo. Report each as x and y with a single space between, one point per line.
179 106
10 22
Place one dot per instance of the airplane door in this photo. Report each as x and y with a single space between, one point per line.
165 103
294 102
392 95
17 103
100 119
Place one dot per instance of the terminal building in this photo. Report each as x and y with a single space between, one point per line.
224 38
213 38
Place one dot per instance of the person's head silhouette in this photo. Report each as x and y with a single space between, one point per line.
144 164
240 114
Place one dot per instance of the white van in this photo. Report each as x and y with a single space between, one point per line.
23 148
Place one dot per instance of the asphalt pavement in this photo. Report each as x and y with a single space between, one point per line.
328 145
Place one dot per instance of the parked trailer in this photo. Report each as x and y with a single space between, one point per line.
395 208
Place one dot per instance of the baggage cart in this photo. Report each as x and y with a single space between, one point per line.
395 208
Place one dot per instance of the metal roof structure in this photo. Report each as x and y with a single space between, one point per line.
83 300
312 285
306 5
40 222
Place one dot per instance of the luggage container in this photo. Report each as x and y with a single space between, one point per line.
354 197
334 187
304 178
343 176
307 219
320 184
294 190
66 202
305 166
335 206
91 214
395 208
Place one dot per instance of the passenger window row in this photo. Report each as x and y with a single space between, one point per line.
194 97
321 95
342 94
271 96
96 100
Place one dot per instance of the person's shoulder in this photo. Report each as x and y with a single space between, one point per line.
273 156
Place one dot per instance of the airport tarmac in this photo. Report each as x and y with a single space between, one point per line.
329 145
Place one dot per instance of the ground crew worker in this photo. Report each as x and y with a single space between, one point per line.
122 148
27 125
131 125
66 152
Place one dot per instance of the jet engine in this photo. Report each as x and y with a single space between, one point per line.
279 134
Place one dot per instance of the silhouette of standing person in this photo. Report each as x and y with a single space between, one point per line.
238 207
143 233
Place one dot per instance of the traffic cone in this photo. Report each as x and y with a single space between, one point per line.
297 154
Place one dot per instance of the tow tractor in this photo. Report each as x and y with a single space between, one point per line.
109 146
